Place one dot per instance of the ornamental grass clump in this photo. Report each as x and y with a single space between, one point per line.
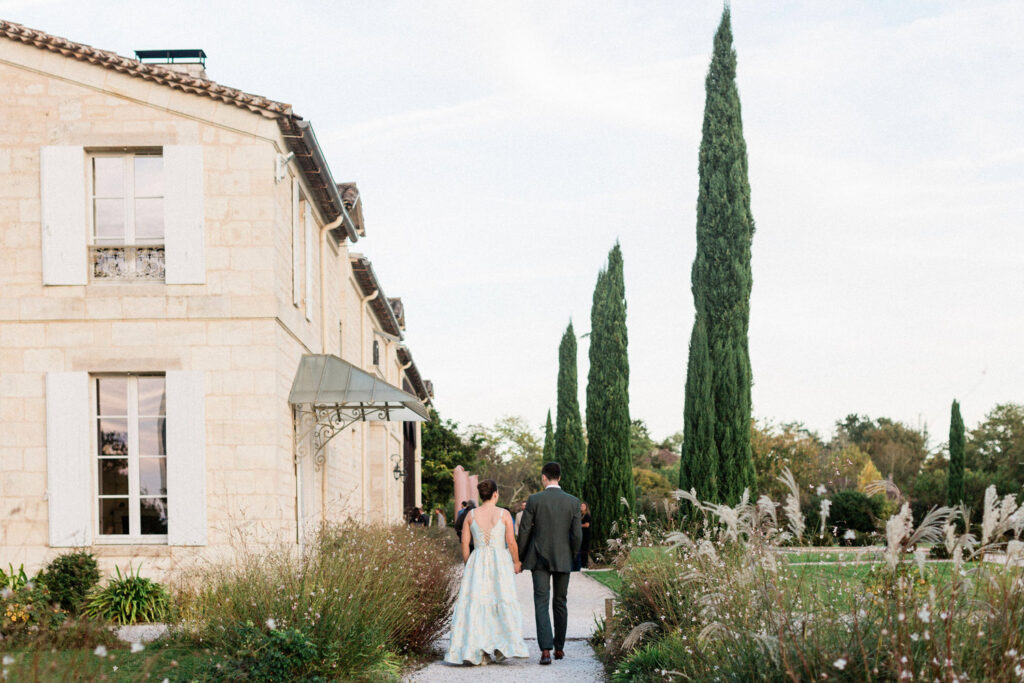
349 606
719 603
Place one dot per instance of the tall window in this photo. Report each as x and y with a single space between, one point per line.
127 216
131 436
376 352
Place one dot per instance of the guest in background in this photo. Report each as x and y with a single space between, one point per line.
440 519
585 546
417 517
460 521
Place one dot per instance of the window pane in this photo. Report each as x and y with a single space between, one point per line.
113 515
153 515
113 476
108 176
109 218
149 219
149 176
112 396
153 436
113 436
151 396
153 476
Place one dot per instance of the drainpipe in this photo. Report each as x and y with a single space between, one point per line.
362 426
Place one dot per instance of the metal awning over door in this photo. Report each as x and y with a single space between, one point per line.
328 394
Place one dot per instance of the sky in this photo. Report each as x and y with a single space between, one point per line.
501 148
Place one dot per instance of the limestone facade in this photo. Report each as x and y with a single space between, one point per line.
239 330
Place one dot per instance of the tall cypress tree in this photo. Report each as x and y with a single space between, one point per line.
698 468
570 449
721 283
549 440
609 461
955 490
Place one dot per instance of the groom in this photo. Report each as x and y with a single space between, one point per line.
549 537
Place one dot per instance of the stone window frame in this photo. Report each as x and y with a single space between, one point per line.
134 496
131 259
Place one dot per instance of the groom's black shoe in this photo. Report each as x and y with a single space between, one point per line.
559 654
545 656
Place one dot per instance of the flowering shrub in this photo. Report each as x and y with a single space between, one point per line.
359 596
721 604
27 612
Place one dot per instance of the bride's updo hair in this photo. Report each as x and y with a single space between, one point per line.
487 488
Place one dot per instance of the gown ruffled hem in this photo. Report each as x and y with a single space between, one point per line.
487 619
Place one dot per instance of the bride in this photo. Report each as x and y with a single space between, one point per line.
487 619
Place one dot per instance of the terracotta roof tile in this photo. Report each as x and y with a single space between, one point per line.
149 72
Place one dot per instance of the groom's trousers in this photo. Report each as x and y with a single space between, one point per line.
544 605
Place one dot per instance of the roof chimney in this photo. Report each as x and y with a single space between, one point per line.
189 62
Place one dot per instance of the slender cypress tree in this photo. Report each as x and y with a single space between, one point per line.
609 461
721 283
570 449
549 440
955 487
698 468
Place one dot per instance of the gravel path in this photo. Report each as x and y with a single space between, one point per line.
586 601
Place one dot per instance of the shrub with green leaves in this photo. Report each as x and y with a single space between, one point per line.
129 599
267 654
70 577
360 595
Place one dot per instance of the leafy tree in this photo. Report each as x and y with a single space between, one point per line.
897 450
609 465
651 483
641 445
721 284
443 449
673 442
570 447
955 485
787 446
868 474
996 446
549 440
511 454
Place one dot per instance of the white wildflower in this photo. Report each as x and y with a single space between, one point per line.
137 647
100 651
850 535
820 490
924 614
8 660
271 624
839 664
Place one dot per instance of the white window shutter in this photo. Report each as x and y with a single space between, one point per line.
310 229
68 459
186 458
63 213
184 232
296 244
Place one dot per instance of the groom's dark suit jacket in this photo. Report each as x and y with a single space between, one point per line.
550 534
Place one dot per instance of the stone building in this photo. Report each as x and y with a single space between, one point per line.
171 249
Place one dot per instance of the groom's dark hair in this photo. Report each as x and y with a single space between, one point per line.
552 470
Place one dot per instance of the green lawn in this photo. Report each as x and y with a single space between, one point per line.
609 577
156 662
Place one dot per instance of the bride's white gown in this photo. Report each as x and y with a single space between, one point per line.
487 617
